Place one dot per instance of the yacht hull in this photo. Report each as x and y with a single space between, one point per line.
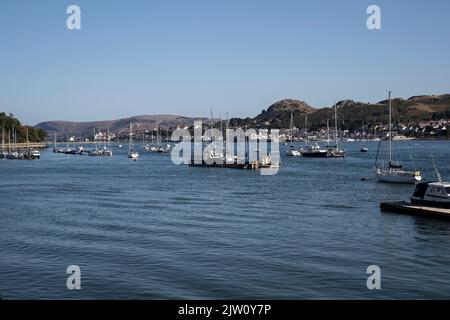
391 177
315 154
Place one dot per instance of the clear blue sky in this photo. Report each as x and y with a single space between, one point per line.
184 57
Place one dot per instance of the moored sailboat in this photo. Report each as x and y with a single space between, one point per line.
132 154
314 151
393 171
335 151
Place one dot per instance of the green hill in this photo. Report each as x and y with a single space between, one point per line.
351 114
8 122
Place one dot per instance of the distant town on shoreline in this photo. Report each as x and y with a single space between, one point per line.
426 117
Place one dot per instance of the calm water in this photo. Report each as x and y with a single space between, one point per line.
153 230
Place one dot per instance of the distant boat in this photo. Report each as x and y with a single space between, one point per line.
13 153
314 151
292 152
364 149
32 154
393 171
104 151
134 155
55 150
402 138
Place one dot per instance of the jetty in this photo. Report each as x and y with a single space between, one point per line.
32 145
256 165
408 208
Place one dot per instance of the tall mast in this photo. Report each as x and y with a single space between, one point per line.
95 141
328 133
336 126
212 119
130 140
212 125
291 124
109 139
390 128
221 126
158 137
306 128
3 138
28 145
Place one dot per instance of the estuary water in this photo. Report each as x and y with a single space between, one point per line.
153 230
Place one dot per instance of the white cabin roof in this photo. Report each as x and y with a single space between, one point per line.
440 184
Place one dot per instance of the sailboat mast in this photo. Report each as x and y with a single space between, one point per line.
95 141
328 133
306 129
109 140
130 140
212 125
221 126
291 124
212 119
390 128
9 141
336 126
3 138
28 144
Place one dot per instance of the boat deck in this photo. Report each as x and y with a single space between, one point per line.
408 208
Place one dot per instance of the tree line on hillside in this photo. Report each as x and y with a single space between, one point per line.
8 122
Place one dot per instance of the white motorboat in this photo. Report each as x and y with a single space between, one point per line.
433 194
292 152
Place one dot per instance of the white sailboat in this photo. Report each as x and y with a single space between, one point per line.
107 151
134 155
393 171
335 151
31 154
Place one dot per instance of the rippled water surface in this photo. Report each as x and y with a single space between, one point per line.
153 230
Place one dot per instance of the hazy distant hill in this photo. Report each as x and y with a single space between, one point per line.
121 126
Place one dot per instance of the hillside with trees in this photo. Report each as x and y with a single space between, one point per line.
8 122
